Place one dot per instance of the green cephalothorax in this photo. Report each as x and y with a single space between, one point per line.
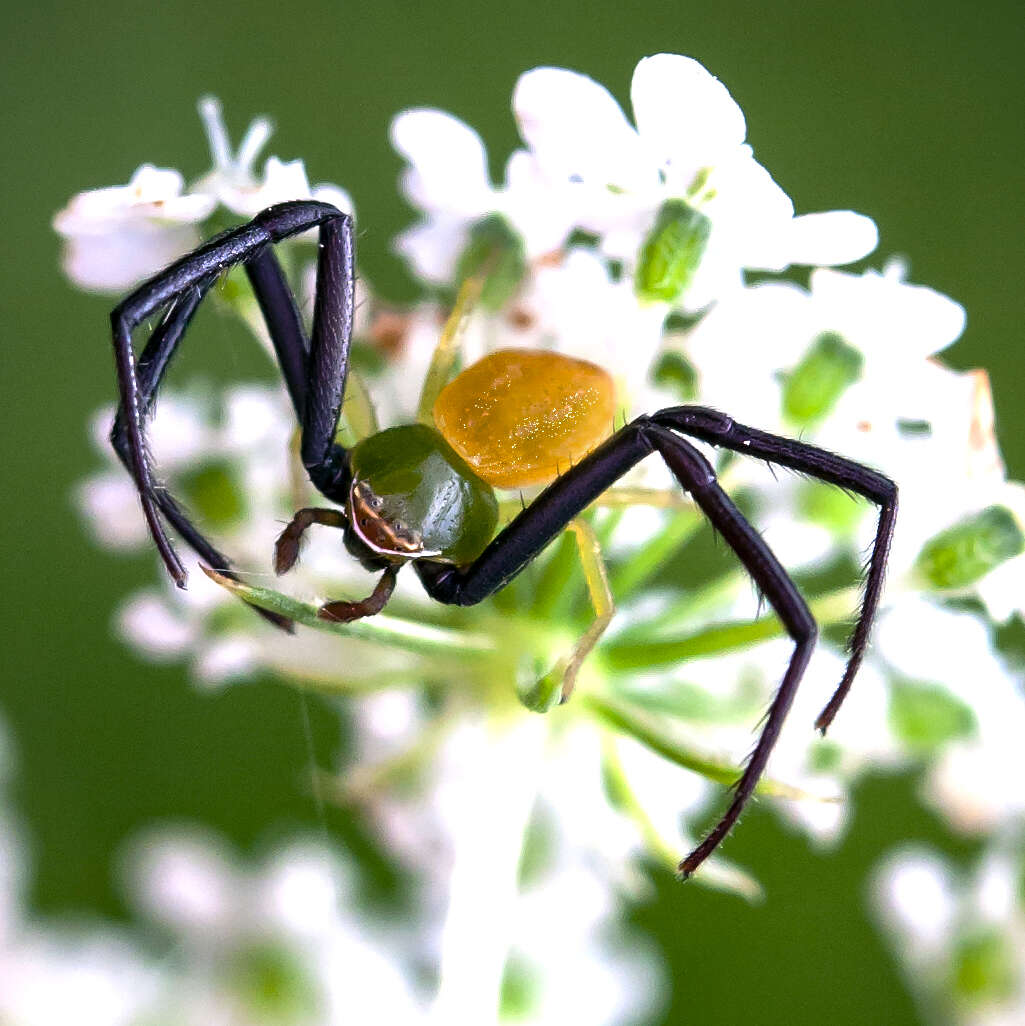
671 252
413 496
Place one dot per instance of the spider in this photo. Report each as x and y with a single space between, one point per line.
424 495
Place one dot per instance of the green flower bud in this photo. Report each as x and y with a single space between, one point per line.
274 984
540 693
520 995
829 506
925 716
826 370
671 252
495 253
963 554
675 373
984 968
212 492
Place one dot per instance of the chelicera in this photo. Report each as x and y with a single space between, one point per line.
424 495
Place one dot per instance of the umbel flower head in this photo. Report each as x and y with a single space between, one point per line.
630 245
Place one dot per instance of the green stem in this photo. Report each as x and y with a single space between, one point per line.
634 654
643 729
423 639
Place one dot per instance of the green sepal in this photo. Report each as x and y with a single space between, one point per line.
520 994
494 253
671 252
826 370
963 554
830 507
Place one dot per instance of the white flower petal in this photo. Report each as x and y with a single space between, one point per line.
187 882
448 160
130 253
110 503
916 893
684 114
831 237
433 247
576 130
880 313
147 623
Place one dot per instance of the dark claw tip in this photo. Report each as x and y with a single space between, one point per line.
335 612
285 556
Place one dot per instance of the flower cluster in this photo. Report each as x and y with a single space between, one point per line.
285 941
960 936
665 252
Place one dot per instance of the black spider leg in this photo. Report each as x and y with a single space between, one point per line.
314 372
721 430
551 511
152 365
696 476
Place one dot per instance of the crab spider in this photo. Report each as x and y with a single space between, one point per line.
424 494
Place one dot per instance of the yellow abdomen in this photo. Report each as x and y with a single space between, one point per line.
521 416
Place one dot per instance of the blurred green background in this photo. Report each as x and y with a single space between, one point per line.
910 112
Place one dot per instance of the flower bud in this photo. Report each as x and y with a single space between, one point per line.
676 374
984 968
963 554
826 370
671 252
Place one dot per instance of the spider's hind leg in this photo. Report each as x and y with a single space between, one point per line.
720 430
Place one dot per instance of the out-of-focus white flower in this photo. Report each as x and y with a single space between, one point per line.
278 943
918 893
95 978
960 937
234 184
117 236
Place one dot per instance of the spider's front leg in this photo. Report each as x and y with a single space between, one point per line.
314 370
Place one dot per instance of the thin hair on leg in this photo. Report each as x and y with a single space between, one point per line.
721 430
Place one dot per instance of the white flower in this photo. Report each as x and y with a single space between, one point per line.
448 180
121 235
960 937
235 185
291 916
117 237
688 144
